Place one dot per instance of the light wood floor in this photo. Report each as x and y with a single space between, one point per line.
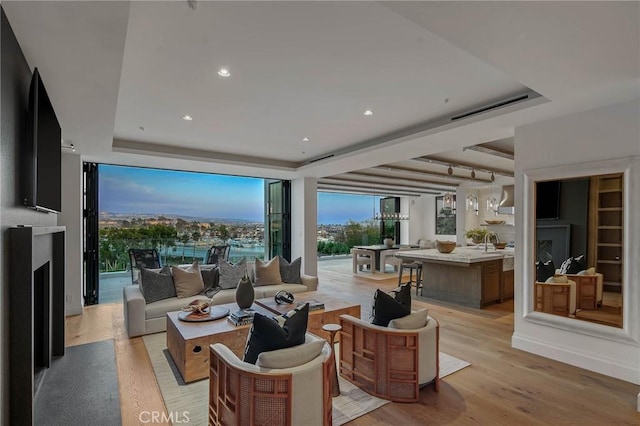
503 386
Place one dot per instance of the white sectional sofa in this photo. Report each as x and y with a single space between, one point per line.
141 318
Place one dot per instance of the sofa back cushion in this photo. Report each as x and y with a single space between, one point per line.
156 284
230 274
268 273
188 282
290 272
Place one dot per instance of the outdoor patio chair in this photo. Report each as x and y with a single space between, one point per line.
217 253
142 257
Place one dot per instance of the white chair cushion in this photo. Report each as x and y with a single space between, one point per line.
413 321
290 357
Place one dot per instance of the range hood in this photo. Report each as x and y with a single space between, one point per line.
506 205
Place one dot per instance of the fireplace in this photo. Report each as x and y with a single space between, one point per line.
41 322
553 242
36 313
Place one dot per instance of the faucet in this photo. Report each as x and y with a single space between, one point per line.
487 237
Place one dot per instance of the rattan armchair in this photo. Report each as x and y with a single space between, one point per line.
555 298
245 394
389 363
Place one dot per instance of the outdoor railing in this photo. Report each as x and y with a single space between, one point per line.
114 254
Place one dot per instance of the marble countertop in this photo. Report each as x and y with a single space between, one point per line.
459 255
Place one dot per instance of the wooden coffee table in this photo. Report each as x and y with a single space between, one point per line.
333 308
188 342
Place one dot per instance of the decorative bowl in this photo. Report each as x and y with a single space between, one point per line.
445 246
494 222
499 246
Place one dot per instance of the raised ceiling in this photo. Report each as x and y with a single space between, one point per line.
122 74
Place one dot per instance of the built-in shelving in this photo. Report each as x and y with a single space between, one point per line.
606 223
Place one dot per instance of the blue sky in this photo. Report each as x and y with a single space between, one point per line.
156 191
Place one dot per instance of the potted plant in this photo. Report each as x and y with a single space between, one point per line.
476 234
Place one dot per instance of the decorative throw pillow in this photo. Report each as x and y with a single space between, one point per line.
403 295
156 285
574 265
188 281
588 271
231 274
386 308
291 357
544 270
267 335
413 321
290 272
210 277
558 279
268 273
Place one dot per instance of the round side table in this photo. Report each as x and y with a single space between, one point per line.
332 329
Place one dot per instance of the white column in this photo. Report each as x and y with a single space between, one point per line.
304 223
71 218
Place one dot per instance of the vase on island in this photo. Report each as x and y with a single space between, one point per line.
244 292
388 241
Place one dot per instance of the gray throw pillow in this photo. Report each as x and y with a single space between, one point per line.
210 277
230 274
156 285
290 272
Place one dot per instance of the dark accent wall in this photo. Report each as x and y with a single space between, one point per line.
15 76
574 209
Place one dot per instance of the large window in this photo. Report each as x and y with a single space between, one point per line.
445 217
180 214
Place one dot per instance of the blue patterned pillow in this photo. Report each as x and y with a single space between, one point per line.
290 272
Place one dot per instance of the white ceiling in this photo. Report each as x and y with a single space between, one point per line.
310 69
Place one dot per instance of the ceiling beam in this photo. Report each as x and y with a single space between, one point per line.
386 179
398 169
388 185
365 191
365 173
490 151
431 159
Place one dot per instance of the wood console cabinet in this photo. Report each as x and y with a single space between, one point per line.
507 285
491 274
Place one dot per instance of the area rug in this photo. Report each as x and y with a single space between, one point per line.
80 388
180 397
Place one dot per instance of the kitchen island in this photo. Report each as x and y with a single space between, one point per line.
467 276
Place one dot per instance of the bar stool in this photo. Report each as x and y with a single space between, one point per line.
411 266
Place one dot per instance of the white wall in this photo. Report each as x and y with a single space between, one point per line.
606 133
71 217
304 223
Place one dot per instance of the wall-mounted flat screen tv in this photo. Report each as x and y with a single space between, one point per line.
548 200
42 154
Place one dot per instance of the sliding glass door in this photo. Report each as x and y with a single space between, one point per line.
278 218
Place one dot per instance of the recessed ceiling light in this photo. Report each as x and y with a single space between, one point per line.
223 72
187 117
305 139
368 112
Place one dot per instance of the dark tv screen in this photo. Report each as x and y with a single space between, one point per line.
42 179
548 200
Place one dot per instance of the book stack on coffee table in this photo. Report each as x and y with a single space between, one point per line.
241 317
